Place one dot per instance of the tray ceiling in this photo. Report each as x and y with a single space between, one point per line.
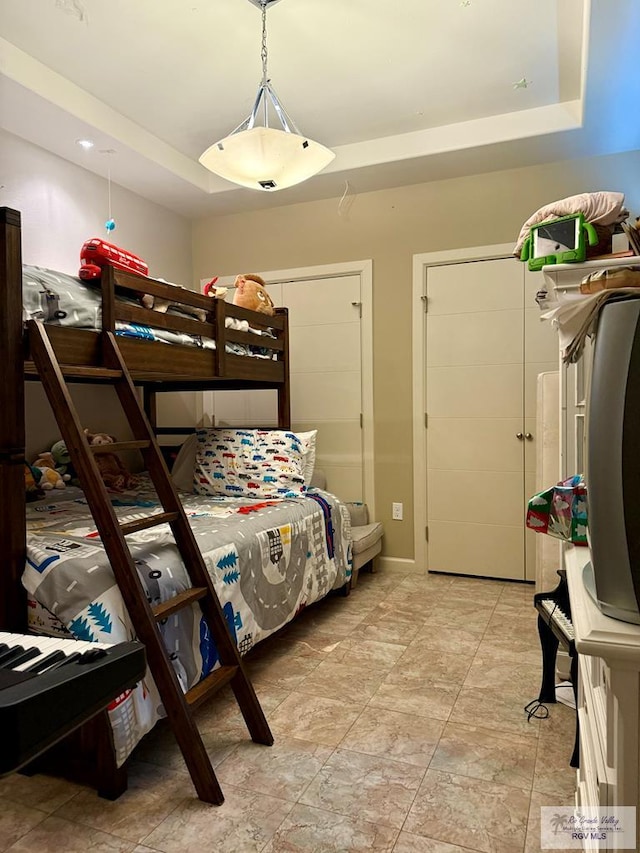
403 92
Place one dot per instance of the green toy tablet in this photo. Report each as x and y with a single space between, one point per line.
559 241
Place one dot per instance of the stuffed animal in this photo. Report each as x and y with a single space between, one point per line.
210 289
114 474
63 464
45 475
50 477
250 293
61 457
32 478
43 460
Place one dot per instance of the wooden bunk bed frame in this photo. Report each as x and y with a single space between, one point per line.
154 365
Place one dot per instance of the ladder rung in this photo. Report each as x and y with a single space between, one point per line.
149 521
178 602
214 682
90 372
117 446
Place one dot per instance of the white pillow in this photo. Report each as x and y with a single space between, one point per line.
185 463
308 440
250 463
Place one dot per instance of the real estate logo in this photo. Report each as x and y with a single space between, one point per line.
588 827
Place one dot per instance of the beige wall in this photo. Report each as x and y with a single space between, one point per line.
390 226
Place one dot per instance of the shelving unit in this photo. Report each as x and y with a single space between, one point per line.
609 650
563 283
608 699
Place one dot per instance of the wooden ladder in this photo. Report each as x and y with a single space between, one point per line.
145 618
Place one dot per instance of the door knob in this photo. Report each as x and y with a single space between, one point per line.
528 436
519 436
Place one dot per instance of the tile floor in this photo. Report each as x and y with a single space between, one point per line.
399 726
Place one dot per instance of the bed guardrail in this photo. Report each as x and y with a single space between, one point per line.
209 317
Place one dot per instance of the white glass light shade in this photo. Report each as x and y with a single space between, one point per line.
265 158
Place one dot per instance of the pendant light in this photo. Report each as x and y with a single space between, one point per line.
262 157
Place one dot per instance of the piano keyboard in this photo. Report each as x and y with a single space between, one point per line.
50 686
557 615
555 627
24 653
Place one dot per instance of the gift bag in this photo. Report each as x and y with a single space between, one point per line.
561 511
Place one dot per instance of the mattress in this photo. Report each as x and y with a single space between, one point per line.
267 560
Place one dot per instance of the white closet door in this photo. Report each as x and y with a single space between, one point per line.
326 375
326 378
475 404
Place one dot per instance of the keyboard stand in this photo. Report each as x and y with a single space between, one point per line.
554 630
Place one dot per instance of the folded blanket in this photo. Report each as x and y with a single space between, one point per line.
599 208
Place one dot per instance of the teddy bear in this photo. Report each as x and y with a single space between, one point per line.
114 474
250 293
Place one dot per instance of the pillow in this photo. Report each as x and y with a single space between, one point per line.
185 463
308 440
249 463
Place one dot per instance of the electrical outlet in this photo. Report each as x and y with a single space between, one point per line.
396 511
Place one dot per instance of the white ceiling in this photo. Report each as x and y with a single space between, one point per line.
405 91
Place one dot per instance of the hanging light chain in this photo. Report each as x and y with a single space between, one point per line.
263 52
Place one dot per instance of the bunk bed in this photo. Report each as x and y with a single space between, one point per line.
153 365
228 348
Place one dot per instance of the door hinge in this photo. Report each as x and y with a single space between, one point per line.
358 305
361 421
426 420
426 533
425 302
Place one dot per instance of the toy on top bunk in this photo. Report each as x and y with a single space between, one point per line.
571 229
114 473
96 254
211 289
250 292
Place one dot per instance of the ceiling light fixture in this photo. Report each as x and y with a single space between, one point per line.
85 143
262 157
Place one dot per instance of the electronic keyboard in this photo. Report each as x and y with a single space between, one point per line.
555 628
50 686
554 608
555 617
